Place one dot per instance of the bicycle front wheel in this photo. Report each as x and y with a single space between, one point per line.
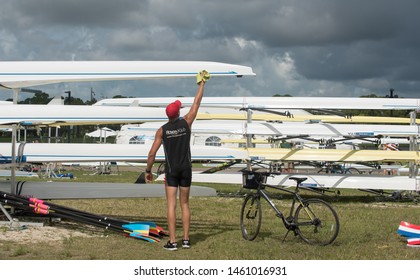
251 216
317 222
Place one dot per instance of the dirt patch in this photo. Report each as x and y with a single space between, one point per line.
35 234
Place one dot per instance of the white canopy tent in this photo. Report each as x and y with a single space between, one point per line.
102 133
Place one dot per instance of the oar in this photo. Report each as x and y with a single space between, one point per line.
410 225
60 207
141 234
137 230
414 242
153 225
409 230
151 231
134 226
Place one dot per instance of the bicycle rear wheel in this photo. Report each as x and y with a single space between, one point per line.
251 216
317 222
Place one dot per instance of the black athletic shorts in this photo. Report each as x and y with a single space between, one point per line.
181 178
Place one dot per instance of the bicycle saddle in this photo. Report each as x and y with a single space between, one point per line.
298 179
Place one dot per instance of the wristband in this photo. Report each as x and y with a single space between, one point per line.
148 171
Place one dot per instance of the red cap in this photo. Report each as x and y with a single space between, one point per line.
173 109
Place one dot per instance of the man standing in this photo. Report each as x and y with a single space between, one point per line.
175 136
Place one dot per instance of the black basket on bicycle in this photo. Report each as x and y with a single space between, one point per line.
251 179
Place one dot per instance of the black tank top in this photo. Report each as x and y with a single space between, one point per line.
176 144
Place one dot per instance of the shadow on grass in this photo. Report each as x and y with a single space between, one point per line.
199 230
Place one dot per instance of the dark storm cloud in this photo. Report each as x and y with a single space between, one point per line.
293 23
77 12
320 22
294 46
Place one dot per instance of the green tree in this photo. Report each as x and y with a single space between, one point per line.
73 101
119 96
38 98
282 95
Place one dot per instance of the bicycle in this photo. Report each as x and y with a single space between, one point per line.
338 169
313 219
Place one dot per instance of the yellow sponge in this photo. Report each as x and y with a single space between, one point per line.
203 76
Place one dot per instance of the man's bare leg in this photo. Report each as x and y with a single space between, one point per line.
184 197
171 211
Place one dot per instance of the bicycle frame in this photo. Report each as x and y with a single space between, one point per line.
287 221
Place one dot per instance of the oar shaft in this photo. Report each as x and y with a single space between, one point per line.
81 219
43 207
56 206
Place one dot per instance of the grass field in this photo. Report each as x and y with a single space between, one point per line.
368 230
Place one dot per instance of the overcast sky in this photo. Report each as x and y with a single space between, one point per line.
301 48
